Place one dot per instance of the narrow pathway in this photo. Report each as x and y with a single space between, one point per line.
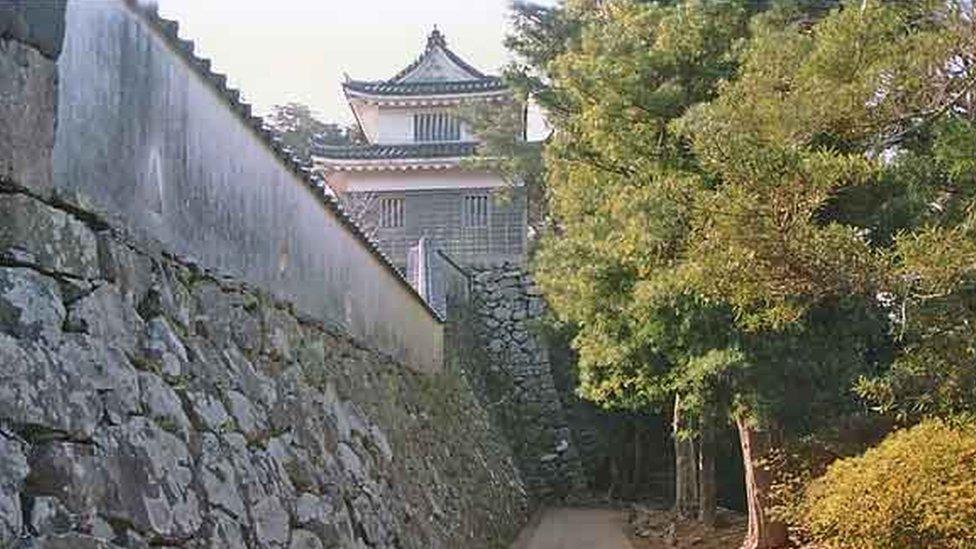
575 528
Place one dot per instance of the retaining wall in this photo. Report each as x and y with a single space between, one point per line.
148 400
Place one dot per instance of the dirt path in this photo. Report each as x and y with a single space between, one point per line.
575 528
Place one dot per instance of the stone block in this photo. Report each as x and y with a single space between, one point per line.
208 412
38 24
270 522
30 305
105 315
71 540
161 404
145 478
13 471
218 479
249 421
303 539
165 347
50 390
50 238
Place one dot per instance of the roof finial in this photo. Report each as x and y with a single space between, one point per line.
436 39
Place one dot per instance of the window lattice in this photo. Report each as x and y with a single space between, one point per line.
391 213
475 212
437 126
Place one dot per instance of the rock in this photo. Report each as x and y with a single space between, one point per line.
13 471
222 531
51 390
145 479
270 522
318 514
167 297
57 241
208 411
65 470
303 539
163 406
228 320
243 412
258 387
164 348
30 305
281 332
49 516
351 462
219 480
41 26
105 315
379 440
72 540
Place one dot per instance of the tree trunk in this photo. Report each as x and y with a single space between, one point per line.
708 496
685 466
764 532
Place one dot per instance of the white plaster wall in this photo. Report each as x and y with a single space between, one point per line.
395 126
369 119
143 139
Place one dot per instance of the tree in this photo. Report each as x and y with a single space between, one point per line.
818 114
299 130
619 188
701 240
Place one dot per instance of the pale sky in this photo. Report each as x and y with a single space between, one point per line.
298 50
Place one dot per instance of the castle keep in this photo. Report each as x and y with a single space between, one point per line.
410 179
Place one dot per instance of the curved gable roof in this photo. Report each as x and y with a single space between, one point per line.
437 71
437 64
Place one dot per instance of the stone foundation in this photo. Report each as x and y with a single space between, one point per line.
516 382
145 401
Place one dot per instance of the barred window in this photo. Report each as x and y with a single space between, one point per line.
475 212
391 213
436 126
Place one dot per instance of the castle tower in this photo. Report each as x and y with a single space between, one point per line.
410 180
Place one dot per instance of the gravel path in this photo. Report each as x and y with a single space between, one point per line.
575 528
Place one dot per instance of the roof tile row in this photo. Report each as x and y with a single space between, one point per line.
449 149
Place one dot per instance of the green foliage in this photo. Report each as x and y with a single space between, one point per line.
916 489
760 205
299 130
620 188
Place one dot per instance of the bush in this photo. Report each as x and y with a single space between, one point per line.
915 489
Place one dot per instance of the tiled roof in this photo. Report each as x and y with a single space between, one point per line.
478 81
436 40
453 149
489 83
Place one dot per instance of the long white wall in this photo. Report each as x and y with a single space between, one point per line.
148 140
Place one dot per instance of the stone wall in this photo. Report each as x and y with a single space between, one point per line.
145 401
525 374
514 378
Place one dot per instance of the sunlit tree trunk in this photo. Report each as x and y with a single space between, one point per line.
764 532
685 466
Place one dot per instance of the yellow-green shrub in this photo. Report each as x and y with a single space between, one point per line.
915 489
